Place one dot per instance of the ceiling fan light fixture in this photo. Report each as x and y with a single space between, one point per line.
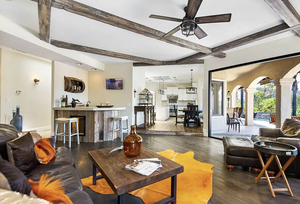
188 28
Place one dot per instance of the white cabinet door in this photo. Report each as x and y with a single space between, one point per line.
180 94
185 96
172 90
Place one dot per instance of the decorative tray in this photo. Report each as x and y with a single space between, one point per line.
277 148
109 106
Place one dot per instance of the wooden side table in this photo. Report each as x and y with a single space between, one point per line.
275 149
148 115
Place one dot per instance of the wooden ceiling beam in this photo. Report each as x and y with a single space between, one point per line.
44 12
244 41
286 11
140 64
107 53
104 17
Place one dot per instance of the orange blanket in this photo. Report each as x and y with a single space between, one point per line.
194 185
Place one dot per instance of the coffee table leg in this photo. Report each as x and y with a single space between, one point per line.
121 199
94 175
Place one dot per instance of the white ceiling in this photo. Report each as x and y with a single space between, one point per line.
248 17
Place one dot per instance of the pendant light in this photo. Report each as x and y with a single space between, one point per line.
191 89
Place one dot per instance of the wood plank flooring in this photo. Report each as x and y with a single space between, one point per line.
169 127
229 186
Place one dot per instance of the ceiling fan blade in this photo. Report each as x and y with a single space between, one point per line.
165 18
214 19
192 8
171 32
200 33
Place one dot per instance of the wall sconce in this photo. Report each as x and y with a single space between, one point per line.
36 81
134 92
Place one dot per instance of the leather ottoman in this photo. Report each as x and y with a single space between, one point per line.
239 151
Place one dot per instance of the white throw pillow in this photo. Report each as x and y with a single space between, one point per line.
12 197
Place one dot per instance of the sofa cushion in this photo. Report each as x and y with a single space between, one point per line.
66 173
7 133
16 179
63 156
80 197
290 127
21 153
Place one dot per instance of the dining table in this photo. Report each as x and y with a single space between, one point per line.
185 110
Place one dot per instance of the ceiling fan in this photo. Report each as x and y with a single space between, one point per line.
189 23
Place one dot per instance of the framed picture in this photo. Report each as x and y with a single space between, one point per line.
114 84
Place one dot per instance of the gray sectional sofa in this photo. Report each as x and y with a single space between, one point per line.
18 163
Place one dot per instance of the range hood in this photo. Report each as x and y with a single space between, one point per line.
172 97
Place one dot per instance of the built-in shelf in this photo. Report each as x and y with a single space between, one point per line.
74 85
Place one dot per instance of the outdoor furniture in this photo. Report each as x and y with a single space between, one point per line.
121 181
233 123
275 149
239 151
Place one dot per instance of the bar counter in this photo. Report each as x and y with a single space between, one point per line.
95 124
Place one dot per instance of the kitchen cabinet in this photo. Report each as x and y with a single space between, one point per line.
183 96
180 94
164 96
172 90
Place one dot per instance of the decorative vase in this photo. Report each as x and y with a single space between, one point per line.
132 143
13 115
17 120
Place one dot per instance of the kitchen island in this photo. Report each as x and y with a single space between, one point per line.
95 124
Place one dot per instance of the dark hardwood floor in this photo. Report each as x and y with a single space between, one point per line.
235 186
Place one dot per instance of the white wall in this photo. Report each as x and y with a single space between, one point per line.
119 98
59 71
139 84
17 73
279 47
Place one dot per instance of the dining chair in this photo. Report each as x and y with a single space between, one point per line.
192 115
179 116
233 123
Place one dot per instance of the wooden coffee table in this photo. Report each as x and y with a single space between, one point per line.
121 181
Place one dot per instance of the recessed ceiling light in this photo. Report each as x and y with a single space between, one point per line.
78 63
94 69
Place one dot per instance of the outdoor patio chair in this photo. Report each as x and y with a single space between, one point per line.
233 123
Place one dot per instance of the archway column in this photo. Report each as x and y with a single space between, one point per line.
233 99
249 106
283 99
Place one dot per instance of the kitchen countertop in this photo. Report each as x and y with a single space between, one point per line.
90 108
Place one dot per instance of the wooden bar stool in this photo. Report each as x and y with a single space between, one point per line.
68 121
121 129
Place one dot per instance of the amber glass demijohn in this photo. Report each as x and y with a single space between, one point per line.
132 143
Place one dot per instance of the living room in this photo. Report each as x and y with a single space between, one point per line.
25 57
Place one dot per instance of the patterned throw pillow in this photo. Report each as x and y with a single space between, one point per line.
44 150
50 190
290 127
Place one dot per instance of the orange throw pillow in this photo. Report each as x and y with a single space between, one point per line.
44 151
52 191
